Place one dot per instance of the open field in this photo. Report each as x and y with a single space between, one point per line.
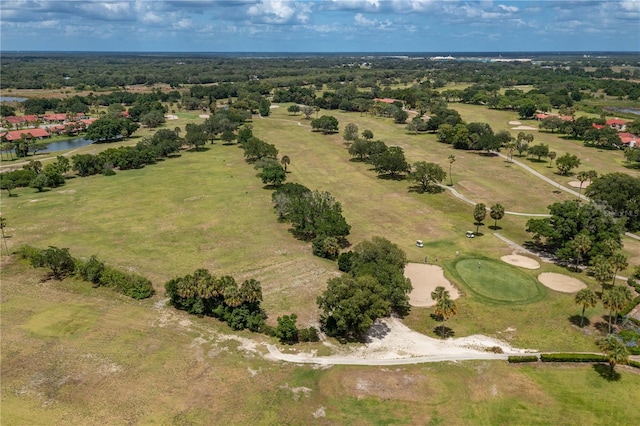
76 355
70 353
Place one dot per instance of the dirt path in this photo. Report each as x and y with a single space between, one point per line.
390 342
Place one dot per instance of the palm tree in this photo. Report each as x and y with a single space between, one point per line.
581 244
584 176
619 263
615 299
602 270
439 293
285 161
445 308
496 213
614 350
251 291
177 131
452 159
551 156
588 299
479 213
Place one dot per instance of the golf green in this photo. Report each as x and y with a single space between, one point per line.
498 282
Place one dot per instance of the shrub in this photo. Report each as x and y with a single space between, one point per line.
630 306
568 357
635 364
58 260
31 254
132 285
344 261
90 270
309 334
287 331
514 359
327 247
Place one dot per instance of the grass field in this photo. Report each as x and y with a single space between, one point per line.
72 354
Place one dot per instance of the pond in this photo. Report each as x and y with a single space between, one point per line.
67 144
11 99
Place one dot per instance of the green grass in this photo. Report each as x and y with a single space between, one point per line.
71 353
498 282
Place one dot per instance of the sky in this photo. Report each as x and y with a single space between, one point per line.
447 26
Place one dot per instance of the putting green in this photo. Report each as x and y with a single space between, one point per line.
498 282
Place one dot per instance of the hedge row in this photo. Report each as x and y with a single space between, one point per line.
568 357
630 306
92 270
634 364
515 359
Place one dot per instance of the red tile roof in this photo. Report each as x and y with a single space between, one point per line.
598 126
616 122
17 134
627 138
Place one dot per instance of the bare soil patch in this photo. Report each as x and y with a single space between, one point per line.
576 184
521 261
425 278
560 282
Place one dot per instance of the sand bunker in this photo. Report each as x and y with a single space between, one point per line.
204 116
560 282
576 183
515 123
425 278
524 128
521 261
171 117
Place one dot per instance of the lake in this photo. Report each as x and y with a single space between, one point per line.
67 144
11 99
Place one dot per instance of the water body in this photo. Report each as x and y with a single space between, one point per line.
67 144
11 99
634 111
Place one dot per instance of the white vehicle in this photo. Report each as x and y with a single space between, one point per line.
470 234
419 243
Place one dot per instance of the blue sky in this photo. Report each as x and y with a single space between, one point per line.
320 25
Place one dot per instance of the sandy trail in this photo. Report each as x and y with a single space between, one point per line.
390 342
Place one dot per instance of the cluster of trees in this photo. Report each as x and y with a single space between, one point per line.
201 293
314 215
372 287
577 232
162 144
33 175
325 124
618 193
583 128
62 264
110 128
615 299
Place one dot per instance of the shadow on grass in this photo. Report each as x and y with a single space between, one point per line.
443 332
576 319
495 227
199 149
431 189
605 371
389 176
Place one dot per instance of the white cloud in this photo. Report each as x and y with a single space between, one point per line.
510 9
280 11
631 5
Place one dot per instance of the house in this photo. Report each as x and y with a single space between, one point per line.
628 139
54 117
37 133
616 123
